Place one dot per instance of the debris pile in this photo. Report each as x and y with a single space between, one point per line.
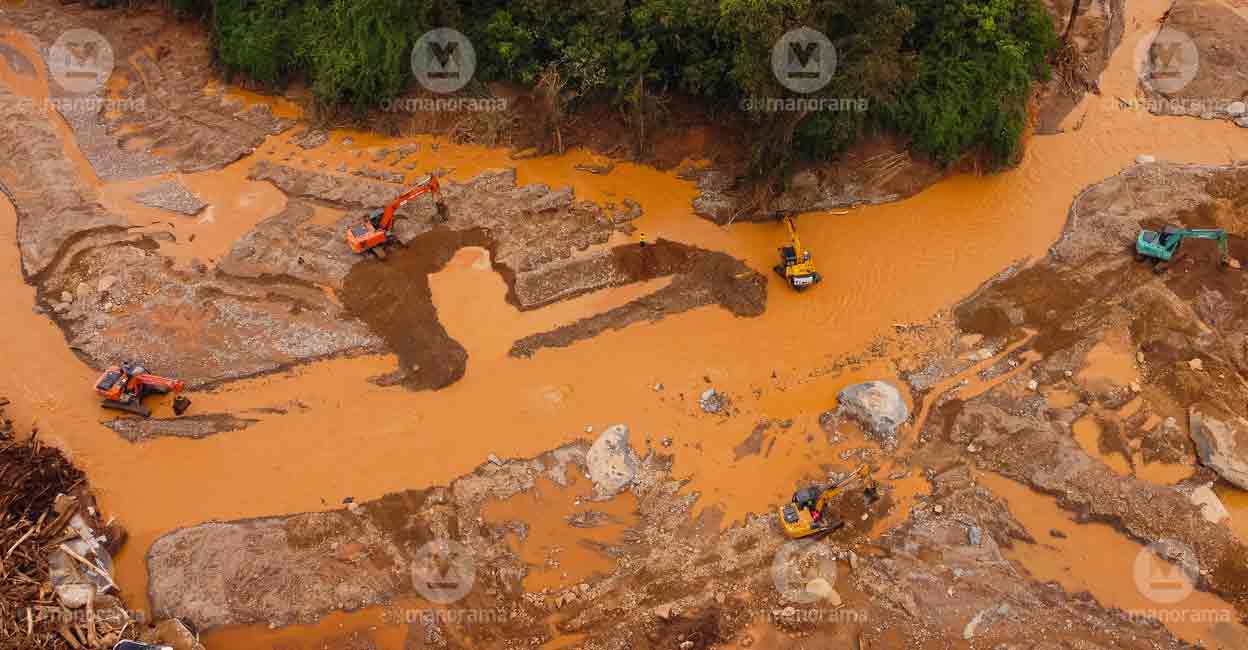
57 589
56 585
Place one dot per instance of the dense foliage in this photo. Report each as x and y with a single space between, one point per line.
951 75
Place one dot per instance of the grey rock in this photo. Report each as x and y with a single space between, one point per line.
612 462
1144 159
171 196
983 619
1237 109
877 406
974 535
1211 507
1222 444
715 206
711 401
1242 122
175 633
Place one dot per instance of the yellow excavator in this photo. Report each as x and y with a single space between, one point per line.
810 513
795 265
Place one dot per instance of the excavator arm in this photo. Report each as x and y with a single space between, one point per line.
1216 234
1163 247
374 231
792 228
862 471
428 187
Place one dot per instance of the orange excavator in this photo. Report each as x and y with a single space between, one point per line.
371 235
123 388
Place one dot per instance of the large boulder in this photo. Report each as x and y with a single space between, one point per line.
1222 444
877 406
612 462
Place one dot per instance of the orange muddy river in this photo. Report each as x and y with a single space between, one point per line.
898 263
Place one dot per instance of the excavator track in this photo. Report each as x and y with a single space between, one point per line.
129 407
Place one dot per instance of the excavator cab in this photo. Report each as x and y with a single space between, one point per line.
1159 245
1163 247
811 510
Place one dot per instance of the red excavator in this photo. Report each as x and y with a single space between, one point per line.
375 231
123 388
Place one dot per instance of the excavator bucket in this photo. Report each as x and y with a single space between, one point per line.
180 404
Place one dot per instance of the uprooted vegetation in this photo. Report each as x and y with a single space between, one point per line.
40 493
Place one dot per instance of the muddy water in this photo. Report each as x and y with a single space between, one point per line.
1100 560
1088 432
560 555
1236 502
882 265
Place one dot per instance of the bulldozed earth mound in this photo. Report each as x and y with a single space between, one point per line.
1126 352
394 297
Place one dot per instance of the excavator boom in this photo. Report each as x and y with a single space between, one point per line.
375 229
1162 246
429 186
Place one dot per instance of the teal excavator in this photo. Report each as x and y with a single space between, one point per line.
1163 247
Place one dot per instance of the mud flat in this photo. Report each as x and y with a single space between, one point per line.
270 302
672 574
